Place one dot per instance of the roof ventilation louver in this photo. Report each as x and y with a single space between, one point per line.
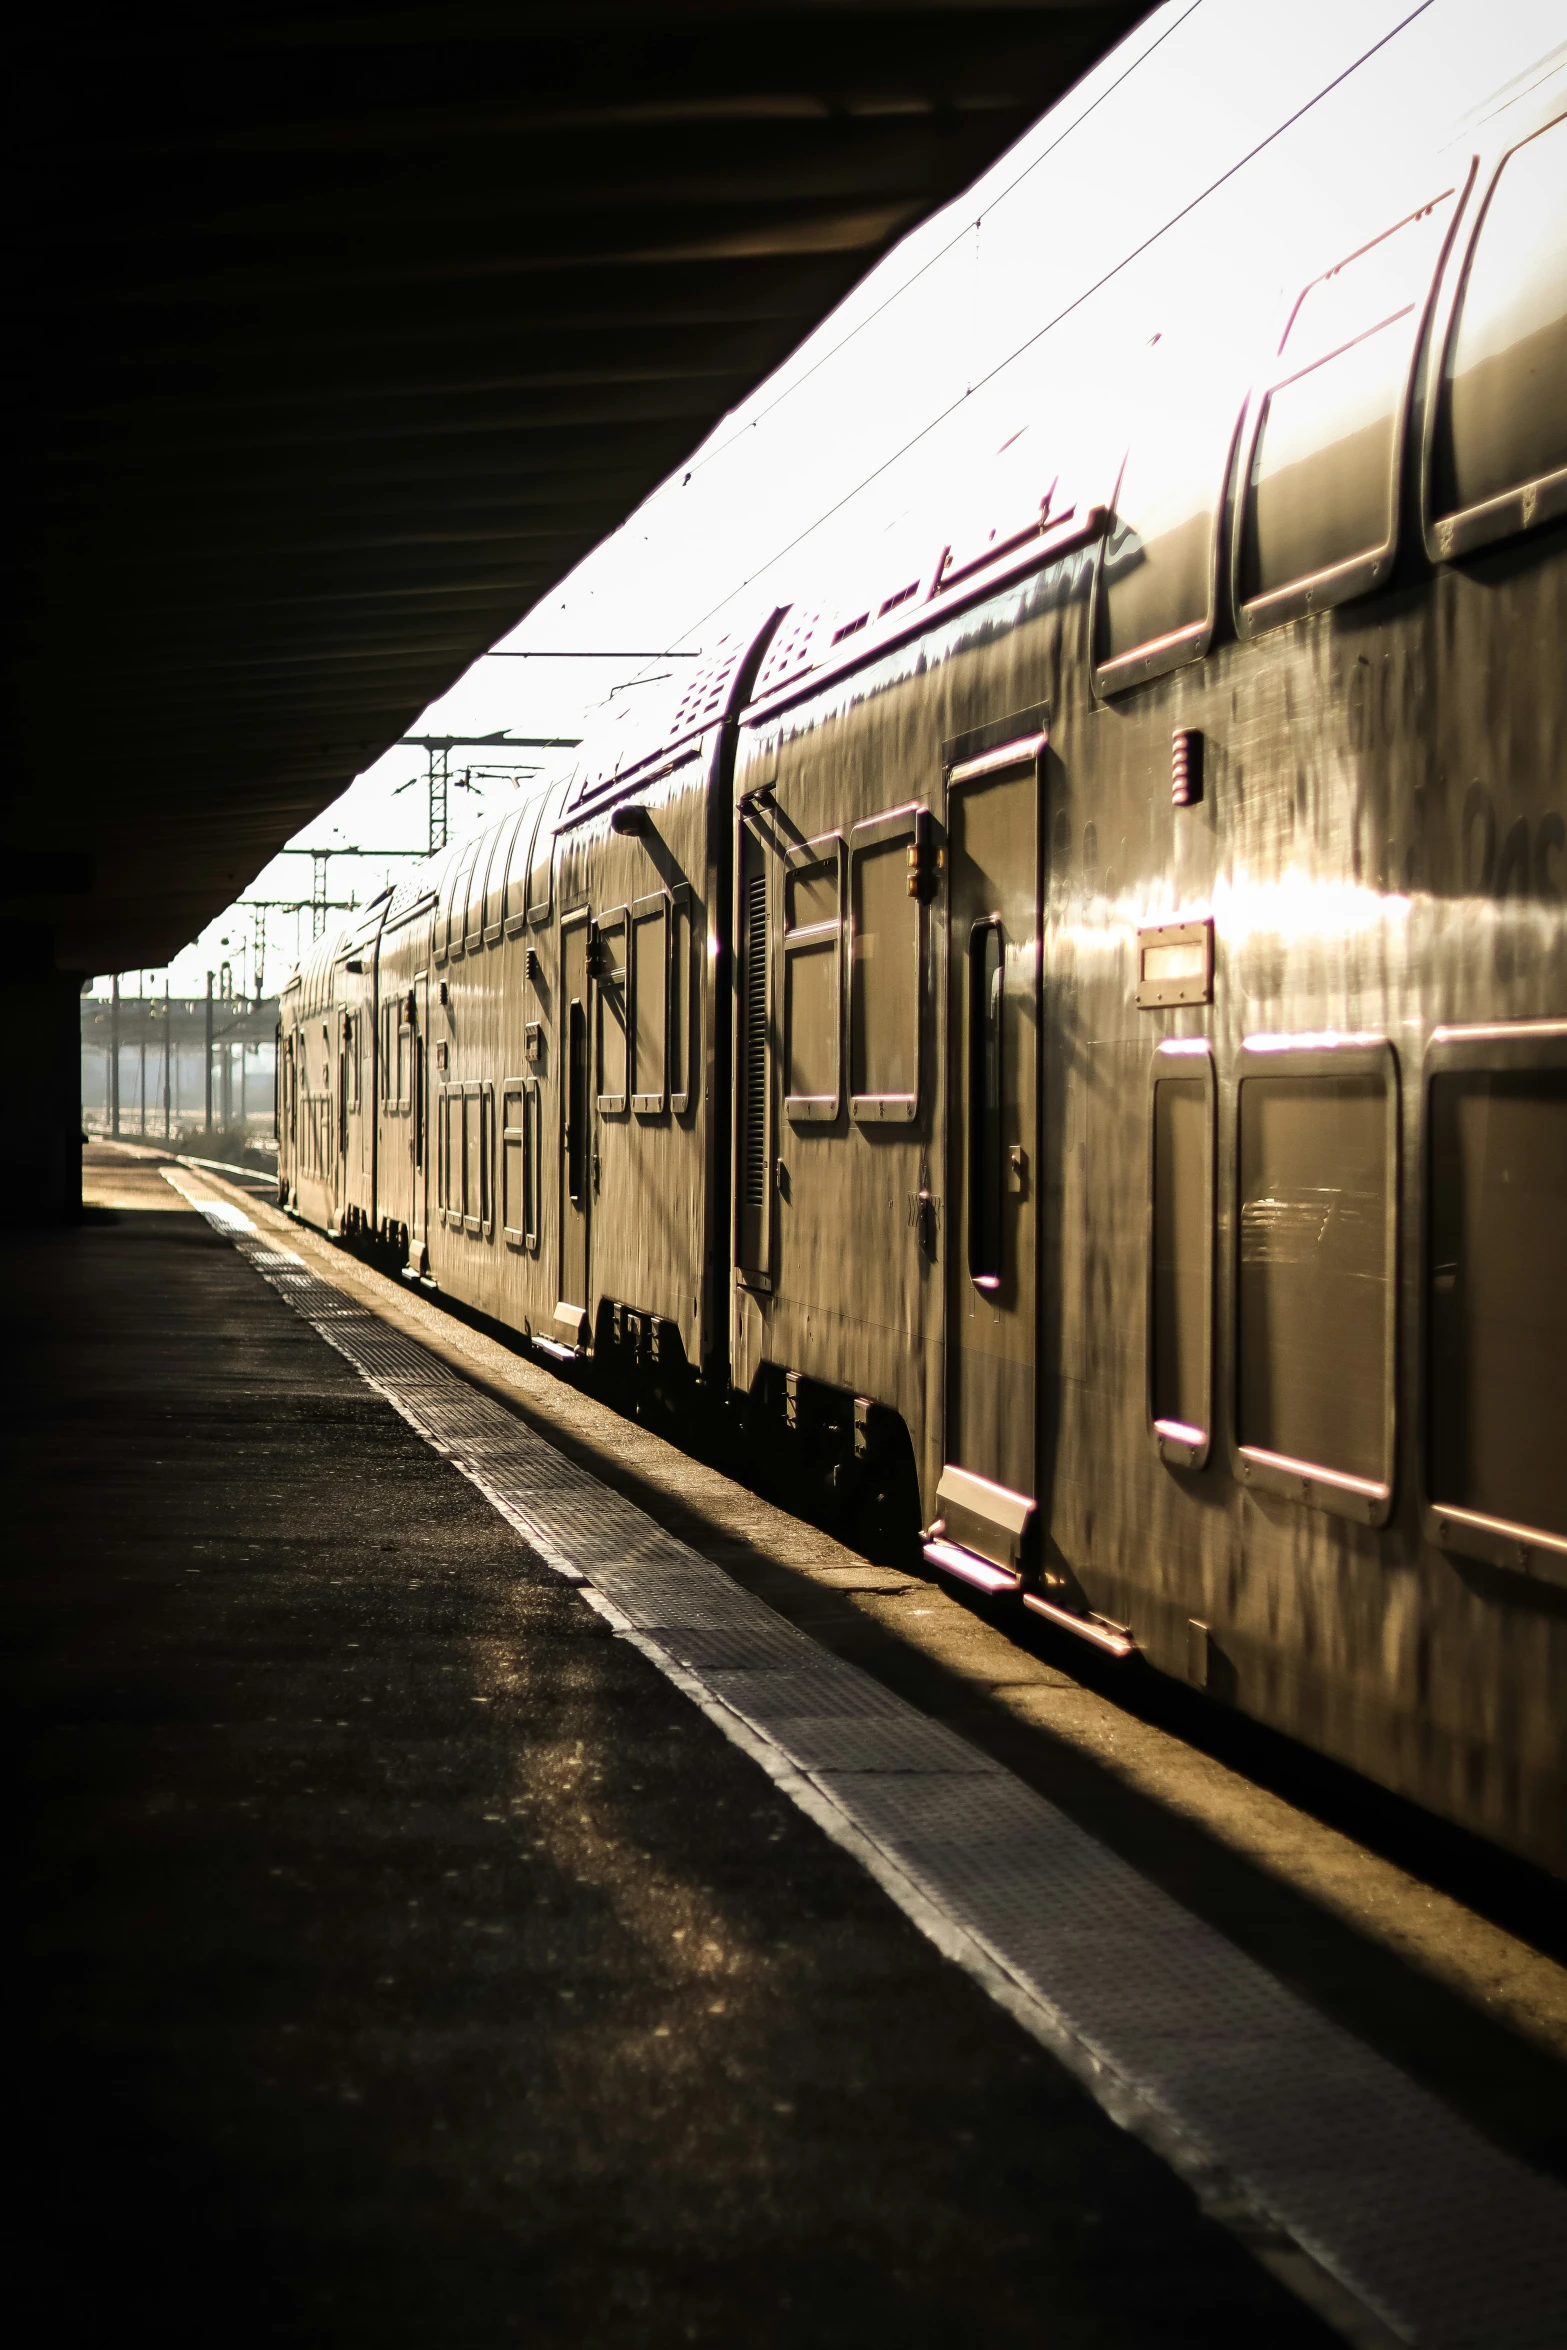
790 654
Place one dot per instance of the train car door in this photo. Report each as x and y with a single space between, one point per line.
576 1140
986 1497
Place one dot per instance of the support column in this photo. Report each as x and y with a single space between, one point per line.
209 1057
41 1152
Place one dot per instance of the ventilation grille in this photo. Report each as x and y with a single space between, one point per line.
753 1091
789 654
707 696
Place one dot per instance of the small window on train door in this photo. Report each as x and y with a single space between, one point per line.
813 980
1181 1199
1496 433
1316 1277
649 1006
1325 437
611 1009
986 1139
886 938
753 1168
403 1080
1156 583
1495 1292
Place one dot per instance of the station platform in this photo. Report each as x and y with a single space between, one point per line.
480 1877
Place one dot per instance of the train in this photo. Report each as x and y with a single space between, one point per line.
1059 1030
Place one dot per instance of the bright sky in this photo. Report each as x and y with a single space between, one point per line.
982 323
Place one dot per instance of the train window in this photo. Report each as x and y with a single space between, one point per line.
650 1003
609 993
520 1162
478 881
500 866
1496 1294
813 884
1316 1288
1498 456
885 932
813 979
515 909
541 857
1321 520
986 1140
452 916
475 1198
577 1104
448 1156
395 1054
1180 1251
753 1172
1155 590
679 1045
403 1078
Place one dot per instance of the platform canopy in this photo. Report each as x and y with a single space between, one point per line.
343 331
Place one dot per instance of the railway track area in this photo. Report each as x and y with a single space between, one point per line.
498 1876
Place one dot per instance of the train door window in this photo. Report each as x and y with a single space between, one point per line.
1497 457
650 1003
753 1116
577 1104
1317 1152
404 1044
1496 1295
680 1044
886 924
1156 586
1180 1250
986 1138
1321 508
611 1009
813 979
520 1162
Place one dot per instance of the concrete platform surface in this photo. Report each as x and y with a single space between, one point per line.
399 1958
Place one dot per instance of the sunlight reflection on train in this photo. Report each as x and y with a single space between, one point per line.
1289 909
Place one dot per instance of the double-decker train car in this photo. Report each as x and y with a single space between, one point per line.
1070 1035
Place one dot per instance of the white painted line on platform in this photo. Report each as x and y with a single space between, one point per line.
1361 2191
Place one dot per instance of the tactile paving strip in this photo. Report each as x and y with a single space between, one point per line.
1389 2213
